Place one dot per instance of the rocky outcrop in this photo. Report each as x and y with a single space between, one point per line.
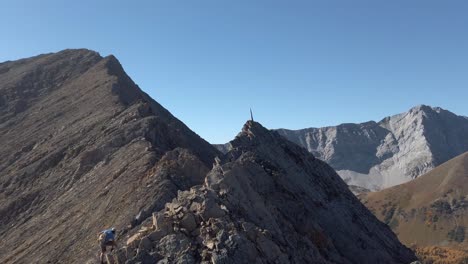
83 148
266 201
393 151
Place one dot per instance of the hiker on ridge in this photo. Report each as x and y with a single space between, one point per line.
106 239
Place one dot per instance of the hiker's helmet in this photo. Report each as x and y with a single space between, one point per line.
113 230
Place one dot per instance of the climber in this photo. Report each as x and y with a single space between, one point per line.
106 239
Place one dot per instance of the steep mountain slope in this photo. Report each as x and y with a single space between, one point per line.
393 151
84 148
267 201
431 210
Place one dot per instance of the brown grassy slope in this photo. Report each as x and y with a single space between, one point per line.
430 210
441 255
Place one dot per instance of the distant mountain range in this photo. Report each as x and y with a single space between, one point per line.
431 210
377 155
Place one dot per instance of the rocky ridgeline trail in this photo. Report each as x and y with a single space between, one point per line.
266 201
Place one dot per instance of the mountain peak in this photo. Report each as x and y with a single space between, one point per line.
254 134
253 129
428 109
74 120
278 204
396 149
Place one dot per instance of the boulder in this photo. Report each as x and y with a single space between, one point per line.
146 244
188 222
211 210
134 240
157 235
160 223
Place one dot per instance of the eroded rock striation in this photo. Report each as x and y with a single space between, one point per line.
267 201
377 155
82 149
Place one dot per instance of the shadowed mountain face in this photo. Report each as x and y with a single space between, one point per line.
431 210
267 201
393 151
83 148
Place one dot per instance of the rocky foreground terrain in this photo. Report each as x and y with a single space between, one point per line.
399 148
83 149
429 211
267 201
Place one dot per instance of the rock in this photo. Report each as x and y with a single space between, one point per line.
268 247
249 228
195 232
195 207
211 210
186 259
145 230
210 244
157 235
120 255
172 209
134 240
130 252
145 244
221 236
160 223
154 218
144 257
173 244
163 261
220 257
188 222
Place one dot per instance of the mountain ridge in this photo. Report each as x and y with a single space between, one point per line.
398 148
76 130
276 202
85 149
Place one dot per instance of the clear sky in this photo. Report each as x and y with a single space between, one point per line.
296 63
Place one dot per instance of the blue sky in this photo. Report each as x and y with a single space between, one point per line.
296 63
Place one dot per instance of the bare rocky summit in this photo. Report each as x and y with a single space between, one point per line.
377 155
267 201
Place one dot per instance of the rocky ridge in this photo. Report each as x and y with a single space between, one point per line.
83 148
266 201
